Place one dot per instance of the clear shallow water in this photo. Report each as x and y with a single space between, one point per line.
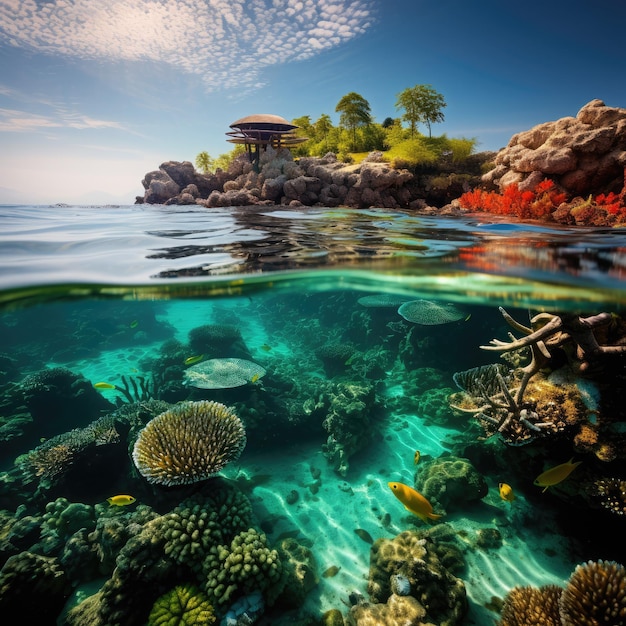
124 295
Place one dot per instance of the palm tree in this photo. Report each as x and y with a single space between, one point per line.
355 112
205 163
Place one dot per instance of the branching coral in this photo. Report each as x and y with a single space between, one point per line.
189 443
519 404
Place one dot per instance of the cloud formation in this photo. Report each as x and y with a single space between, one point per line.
55 115
226 43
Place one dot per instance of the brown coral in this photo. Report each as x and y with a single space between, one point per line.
189 443
530 606
595 594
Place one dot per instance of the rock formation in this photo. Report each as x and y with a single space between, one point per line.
325 181
584 155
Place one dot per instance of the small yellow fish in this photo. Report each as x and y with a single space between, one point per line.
104 386
266 347
416 457
467 319
134 324
413 501
191 360
555 475
506 492
120 500
254 378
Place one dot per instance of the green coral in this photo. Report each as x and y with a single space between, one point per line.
182 606
449 483
247 565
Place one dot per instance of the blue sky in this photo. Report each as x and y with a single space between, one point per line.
94 94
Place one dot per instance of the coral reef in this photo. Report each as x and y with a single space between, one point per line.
189 443
185 605
33 587
530 606
425 560
594 594
218 341
450 483
349 422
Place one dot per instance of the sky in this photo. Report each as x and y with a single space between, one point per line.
95 94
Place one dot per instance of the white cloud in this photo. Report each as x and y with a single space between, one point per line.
226 43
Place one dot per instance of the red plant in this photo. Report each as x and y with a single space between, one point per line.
544 200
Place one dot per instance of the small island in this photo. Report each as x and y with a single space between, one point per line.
568 171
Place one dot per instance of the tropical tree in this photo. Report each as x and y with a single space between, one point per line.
421 104
204 162
323 126
355 112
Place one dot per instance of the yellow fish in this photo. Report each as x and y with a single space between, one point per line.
120 500
104 386
254 378
506 492
413 501
191 360
266 347
416 457
134 324
556 474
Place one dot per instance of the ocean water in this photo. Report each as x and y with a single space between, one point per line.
353 349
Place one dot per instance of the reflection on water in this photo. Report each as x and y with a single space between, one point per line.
145 244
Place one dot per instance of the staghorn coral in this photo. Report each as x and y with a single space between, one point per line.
246 565
185 605
529 606
449 483
595 594
189 443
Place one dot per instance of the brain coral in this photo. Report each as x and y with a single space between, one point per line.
189 443
182 606
450 482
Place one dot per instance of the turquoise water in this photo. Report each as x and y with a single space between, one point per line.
112 315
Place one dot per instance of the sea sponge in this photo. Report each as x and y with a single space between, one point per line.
449 483
189 443
185 605
531 606
246 565
595 594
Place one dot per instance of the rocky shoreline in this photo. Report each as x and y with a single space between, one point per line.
279 179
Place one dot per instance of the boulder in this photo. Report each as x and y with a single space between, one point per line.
584 155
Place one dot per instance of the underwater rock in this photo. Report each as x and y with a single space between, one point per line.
246 610
450 483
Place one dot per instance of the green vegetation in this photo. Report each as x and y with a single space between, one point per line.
358 132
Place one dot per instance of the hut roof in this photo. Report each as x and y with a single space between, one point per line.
264 121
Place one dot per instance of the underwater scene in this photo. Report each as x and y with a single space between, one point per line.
358 444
